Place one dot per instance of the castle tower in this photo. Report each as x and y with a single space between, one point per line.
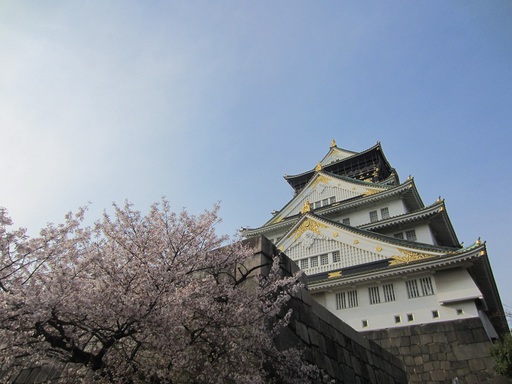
377 257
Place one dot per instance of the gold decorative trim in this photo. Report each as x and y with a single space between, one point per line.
379 249
371 192
333 143
318 167
334 274
308 225
408 257
281 248
320 179
306 207
356 241
335 234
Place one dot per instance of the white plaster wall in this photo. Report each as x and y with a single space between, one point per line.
382 315
362 216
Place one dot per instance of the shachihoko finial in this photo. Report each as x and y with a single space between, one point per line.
333 143
478 241
318 167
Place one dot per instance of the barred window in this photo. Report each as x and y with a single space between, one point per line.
412 289
332 200
346 299
399 235
410 235
373 216
324 259
389 292
336 258
384 212
352 299
314 261
341 300
304 264
374 295
426 286
346 221
427 289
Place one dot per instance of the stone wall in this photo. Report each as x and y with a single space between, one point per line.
446 352
343 353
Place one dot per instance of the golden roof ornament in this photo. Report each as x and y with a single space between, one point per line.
478 241
306 207
333 143
318 167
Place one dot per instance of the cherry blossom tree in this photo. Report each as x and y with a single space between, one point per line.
156 298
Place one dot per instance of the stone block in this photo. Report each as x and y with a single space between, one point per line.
415 350
472 379
439 338
314 337
438 375
302 332
465 336
404 351
462 372
434 348
470 351
476 364
479 335
425 339
405 341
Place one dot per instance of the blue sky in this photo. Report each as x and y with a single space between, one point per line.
204 101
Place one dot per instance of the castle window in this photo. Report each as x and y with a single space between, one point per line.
373 216
346 221
332 200
336 257
341 300
399 235
346 299
314 261
426 286
324 259
410 317
389 292
398 319
384 212
435 314
413 291
374 295
460 312
304 264
364 323
325 202
410 235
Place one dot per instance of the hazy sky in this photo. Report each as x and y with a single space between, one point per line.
206 101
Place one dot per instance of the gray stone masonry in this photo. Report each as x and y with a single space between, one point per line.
441 352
